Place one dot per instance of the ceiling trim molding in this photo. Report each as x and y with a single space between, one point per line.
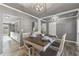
61 13
18 10
38 17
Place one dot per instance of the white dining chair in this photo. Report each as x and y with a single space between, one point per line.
28 48
58 50
61 47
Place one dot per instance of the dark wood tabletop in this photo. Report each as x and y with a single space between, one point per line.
37 40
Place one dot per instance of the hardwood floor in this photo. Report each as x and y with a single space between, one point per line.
11 48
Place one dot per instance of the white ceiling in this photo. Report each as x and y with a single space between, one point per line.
51 8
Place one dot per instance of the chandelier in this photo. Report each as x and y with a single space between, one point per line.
40 7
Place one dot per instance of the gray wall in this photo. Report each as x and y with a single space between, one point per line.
67 26
0 33
26 24
78 30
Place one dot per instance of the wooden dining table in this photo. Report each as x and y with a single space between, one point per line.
38 43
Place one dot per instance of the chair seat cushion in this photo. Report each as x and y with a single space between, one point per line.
56 44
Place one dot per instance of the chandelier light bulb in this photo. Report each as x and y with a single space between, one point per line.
40 7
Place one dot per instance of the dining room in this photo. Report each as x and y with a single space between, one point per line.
41 29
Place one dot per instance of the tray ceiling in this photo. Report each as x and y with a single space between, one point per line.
51 8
